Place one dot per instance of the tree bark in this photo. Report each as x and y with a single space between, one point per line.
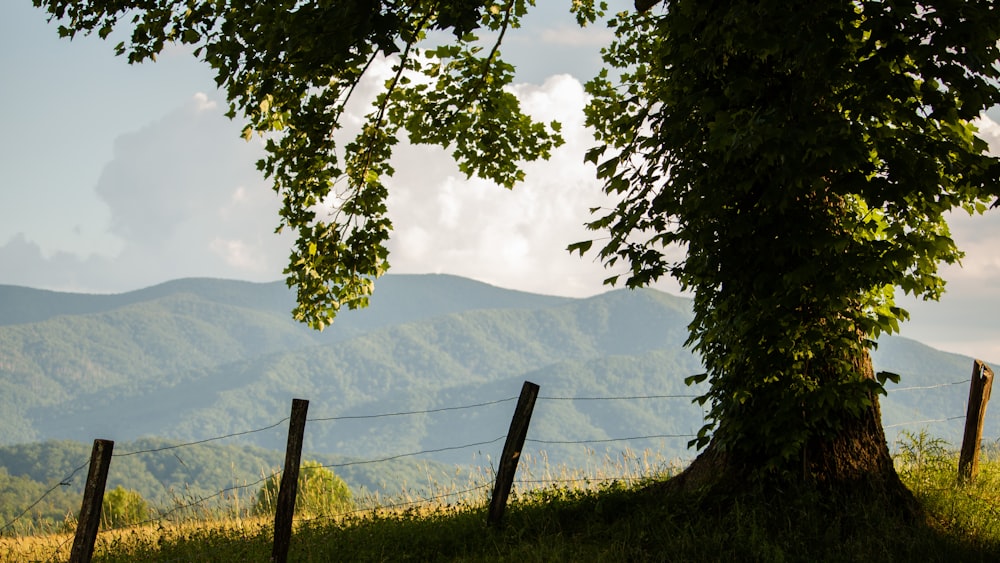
854 463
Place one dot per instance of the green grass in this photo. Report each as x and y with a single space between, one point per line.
596 518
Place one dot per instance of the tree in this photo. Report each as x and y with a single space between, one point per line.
320 492
803 154
123 507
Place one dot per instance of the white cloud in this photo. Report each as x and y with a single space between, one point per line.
203 103
518 238
989 131
575 36
185 199
239 254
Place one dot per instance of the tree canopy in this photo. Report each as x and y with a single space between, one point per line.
290 68
803 154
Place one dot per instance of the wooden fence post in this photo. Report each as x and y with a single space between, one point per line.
289 482
93 497
512 452
979 395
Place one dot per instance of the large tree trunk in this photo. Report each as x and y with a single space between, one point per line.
859 453
855 463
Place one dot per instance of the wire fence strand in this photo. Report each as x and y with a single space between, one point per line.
605 440
196 442
920 387
622 398
411 454
407 413
65 482
929 420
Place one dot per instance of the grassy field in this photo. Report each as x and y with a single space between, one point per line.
560 516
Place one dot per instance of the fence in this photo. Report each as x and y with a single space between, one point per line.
102 455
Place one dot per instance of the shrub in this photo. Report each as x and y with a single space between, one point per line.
320 493
123 507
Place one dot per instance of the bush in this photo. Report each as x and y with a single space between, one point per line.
320 493
123 507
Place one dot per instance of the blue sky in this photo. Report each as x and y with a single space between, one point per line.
115 177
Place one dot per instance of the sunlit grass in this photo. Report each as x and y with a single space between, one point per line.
970 511
599 513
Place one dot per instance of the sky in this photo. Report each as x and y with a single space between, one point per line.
115 177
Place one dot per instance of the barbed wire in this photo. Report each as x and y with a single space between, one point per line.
916 387
587 480
398 456
898 424
202 500
160 517
604 440
203 441
622 398
405 413
64 482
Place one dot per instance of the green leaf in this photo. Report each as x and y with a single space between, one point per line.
581 247
884 376
695 379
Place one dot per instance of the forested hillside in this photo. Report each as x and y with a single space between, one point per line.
194 359
172 477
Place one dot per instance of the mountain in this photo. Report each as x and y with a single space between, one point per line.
400 298
199 358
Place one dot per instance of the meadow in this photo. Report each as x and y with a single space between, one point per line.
610 511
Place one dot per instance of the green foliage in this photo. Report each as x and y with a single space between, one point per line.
929 467
920 451
290 68
924 461
123 507
320 492
804 155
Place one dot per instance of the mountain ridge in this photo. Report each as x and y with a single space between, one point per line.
194 358
445 292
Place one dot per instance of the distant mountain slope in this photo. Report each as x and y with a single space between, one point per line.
398 298
59 350
421 365
193 359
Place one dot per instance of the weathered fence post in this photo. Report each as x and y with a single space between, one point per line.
979 395
289 482
93 496
512 452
